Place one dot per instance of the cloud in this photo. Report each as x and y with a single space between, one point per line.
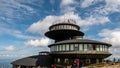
96 16
110 6
114 51
9 56
86 3
113 6
38 42
66 7
42 26
12 10
15 33
10 48
111 36
67 2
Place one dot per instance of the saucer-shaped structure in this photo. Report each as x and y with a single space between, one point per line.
70 46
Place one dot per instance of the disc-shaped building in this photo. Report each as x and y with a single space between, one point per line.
70 47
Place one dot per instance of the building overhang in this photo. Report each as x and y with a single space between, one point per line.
80 41
63 34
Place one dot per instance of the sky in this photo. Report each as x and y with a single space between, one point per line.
24 22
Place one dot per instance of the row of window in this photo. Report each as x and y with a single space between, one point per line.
64 27
79 47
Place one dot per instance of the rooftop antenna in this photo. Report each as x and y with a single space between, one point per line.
68 21
64 18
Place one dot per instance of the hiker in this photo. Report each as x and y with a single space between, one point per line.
77 63
53 66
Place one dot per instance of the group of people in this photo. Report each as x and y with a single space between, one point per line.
74 65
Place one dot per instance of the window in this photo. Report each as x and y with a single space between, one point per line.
97 47
63 26
52 48
58 47
106 48
90 46
60 26
57 27
67 47
71 27
80 46
67 26
101 48
94 46
64 47
85 47
61 47
76 48
71 47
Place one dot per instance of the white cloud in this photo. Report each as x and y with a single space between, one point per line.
112 5
42 26
10 48
12 10
66 6
87 3
38 42
4 56
67 2
111 36
115 53
15 33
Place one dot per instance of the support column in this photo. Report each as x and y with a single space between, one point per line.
89 61
97 61
102 60
85 61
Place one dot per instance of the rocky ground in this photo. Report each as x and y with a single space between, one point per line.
105 65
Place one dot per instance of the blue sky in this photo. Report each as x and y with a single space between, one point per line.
24 22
